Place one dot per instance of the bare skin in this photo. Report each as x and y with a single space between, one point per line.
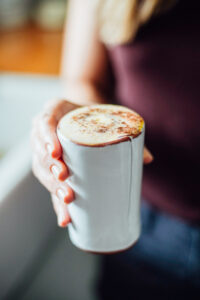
84 67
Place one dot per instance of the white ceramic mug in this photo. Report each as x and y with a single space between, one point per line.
106 181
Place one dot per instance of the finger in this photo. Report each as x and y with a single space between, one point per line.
54 111
44 176
58 108
61 210
56 166
147 156
48 127
66 195
59 169
45 126
37 146
61 189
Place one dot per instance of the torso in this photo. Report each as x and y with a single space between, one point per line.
157 75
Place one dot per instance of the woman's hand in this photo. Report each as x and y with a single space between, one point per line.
47 163
147 156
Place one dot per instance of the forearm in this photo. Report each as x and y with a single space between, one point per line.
84 58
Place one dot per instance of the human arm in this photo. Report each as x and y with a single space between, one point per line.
84 68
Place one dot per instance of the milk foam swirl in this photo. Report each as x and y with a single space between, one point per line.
100 124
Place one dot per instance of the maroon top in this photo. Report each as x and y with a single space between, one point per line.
158 76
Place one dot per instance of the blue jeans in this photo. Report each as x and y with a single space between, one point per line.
164 264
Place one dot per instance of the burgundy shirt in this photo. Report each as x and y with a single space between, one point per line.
158 75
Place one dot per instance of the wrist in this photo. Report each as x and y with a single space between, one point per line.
82 93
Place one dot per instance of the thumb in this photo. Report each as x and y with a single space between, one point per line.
147 156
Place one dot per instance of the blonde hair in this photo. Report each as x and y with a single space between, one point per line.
119 20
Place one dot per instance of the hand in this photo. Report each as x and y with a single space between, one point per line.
47 163
147 156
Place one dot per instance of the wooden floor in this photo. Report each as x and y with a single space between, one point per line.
30 49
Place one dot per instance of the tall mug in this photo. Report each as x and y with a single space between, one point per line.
106 179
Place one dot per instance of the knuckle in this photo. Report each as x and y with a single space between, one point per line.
47 121
55 188
43 117
52 104
45 160
39 164
43 174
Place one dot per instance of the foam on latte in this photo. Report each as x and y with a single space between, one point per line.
100 124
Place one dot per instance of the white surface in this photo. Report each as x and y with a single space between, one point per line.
21 97
106 211
31 250
26 222
14 167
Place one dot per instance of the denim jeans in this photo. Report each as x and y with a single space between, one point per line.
164 264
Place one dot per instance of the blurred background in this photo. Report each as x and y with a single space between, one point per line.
37 260
31 35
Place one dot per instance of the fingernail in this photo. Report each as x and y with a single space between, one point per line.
60 193
55 170
63 223
63 220
49 148
69 197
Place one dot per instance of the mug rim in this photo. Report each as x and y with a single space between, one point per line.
101 145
